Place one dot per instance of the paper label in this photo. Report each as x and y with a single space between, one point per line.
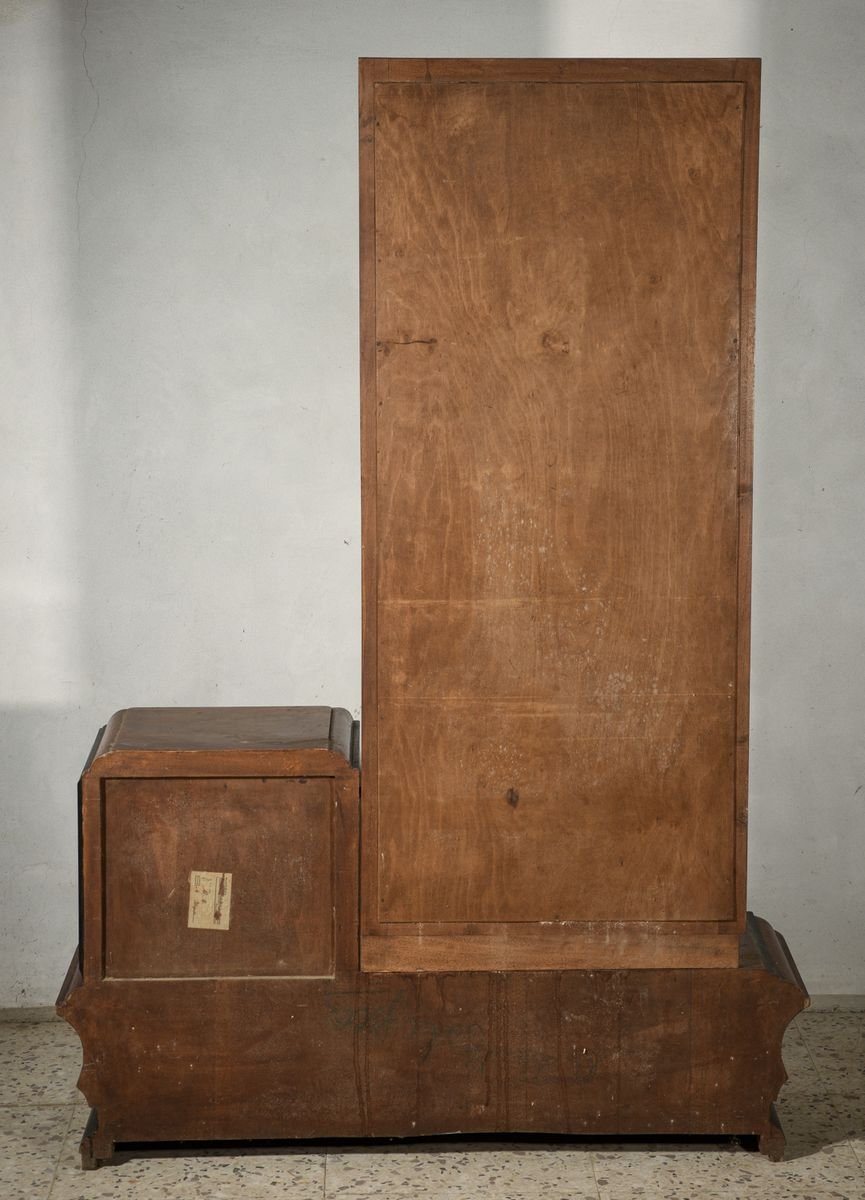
209 899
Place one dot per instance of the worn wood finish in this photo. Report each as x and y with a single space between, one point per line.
694 1051
274 837
366 1055
143 742
558 70
258 1033
518 946
253 792
577 833
557 313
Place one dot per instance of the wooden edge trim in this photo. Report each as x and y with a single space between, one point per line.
91 946
346 940
72 979
161 764
556 953
598 928
792 968
94 749
774 954
335 746
368 835
745 454
105 738
557 70
340 733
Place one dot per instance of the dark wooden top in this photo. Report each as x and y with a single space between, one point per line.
559 70
763 948
320 736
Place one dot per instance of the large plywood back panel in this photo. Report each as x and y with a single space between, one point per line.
556 307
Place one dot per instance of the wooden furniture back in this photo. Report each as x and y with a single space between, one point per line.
219 844
557 310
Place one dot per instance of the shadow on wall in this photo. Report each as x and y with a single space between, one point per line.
45 690
183 463
42 751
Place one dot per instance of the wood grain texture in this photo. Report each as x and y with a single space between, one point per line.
394 1055
553 458
560 946
259 1054
273 836
558 70
747 314
225 730
561 824
165 794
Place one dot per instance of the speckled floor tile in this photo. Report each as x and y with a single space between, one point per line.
39 1063
836 1042
460 1172
299 1176
723 1175
30 1140
819 1120
801 1070
824 1128
859 1151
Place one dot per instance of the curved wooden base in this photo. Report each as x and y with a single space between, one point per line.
648 1052
771 1141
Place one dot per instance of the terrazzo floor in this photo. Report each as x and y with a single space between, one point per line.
822 1107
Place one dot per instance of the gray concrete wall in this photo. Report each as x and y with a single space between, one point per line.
179 493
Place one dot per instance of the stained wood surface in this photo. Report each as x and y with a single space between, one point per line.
393 1055
142 742
555 288
266 795
258 1054
521 945
272 836
221 730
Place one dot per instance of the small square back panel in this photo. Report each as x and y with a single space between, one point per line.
218 878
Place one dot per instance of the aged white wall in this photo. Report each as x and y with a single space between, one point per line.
179 508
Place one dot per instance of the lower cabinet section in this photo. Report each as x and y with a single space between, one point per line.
219 994
694 1051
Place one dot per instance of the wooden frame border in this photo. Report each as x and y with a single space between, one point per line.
439 946
215 765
